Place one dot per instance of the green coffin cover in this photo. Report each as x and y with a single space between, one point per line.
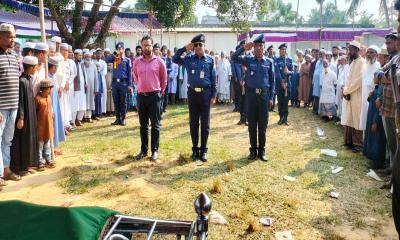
20 220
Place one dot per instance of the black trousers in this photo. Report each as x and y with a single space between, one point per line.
149 107
257 115
238 94
243 107
315 105
199 114
119 93
283 102
164 103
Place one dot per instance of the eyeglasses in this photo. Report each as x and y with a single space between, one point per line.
198 44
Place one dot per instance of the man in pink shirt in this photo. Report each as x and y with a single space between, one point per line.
150 76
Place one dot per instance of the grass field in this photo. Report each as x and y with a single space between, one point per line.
97 168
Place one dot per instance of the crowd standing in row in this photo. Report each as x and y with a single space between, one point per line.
351 85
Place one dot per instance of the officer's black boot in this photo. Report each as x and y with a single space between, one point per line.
203 155
195 154
261 154
122 121
253 154
280 119
117 121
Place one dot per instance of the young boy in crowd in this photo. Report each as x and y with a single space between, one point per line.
24 148
45 124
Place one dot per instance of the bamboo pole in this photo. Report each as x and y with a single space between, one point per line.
46 67
43 32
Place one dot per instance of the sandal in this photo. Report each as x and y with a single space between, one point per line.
2 182
51 165
13 177
23 173
40 168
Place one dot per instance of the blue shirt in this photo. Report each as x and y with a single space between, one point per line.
259 73
200 70
123 70
280 63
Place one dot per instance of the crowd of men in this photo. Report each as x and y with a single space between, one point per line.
353 85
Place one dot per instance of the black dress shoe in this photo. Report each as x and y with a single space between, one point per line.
141 155
280 121
154 156
252 155
285 123
195 154
117 122
204 157
262 156
122 123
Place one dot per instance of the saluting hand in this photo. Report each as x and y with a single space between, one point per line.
189 47
1 117
129 89
248 46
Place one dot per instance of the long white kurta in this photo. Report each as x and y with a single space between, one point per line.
342 78
37 78
172 78
78 102
72 66
183 83
328 81
223 73
103 72
91 83
367 87
64 76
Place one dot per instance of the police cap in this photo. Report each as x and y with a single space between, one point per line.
199 38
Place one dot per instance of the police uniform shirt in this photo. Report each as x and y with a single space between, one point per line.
280 65
259 74
201 71
123 70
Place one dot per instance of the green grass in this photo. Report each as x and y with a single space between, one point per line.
242 190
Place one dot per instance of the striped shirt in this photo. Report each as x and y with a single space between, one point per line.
9 80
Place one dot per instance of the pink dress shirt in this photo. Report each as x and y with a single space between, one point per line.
150 75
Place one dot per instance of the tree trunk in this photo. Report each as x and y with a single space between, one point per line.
62 27
101 37
91 23
76 19
386 11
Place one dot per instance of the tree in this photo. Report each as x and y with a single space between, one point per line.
354 4
365 19
331 15
79 37
171 13
237 13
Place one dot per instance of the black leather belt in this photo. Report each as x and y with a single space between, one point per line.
199 89
258 90
120 79
149 93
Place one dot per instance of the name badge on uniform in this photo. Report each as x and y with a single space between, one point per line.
251 73
201 74
193 71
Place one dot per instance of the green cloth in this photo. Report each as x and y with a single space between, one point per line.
21 220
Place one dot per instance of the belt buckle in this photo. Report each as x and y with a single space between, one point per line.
198 89
258 90
118 80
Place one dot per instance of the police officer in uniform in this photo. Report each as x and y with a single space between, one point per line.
121 82
271 55
259 92
284 71
202 91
